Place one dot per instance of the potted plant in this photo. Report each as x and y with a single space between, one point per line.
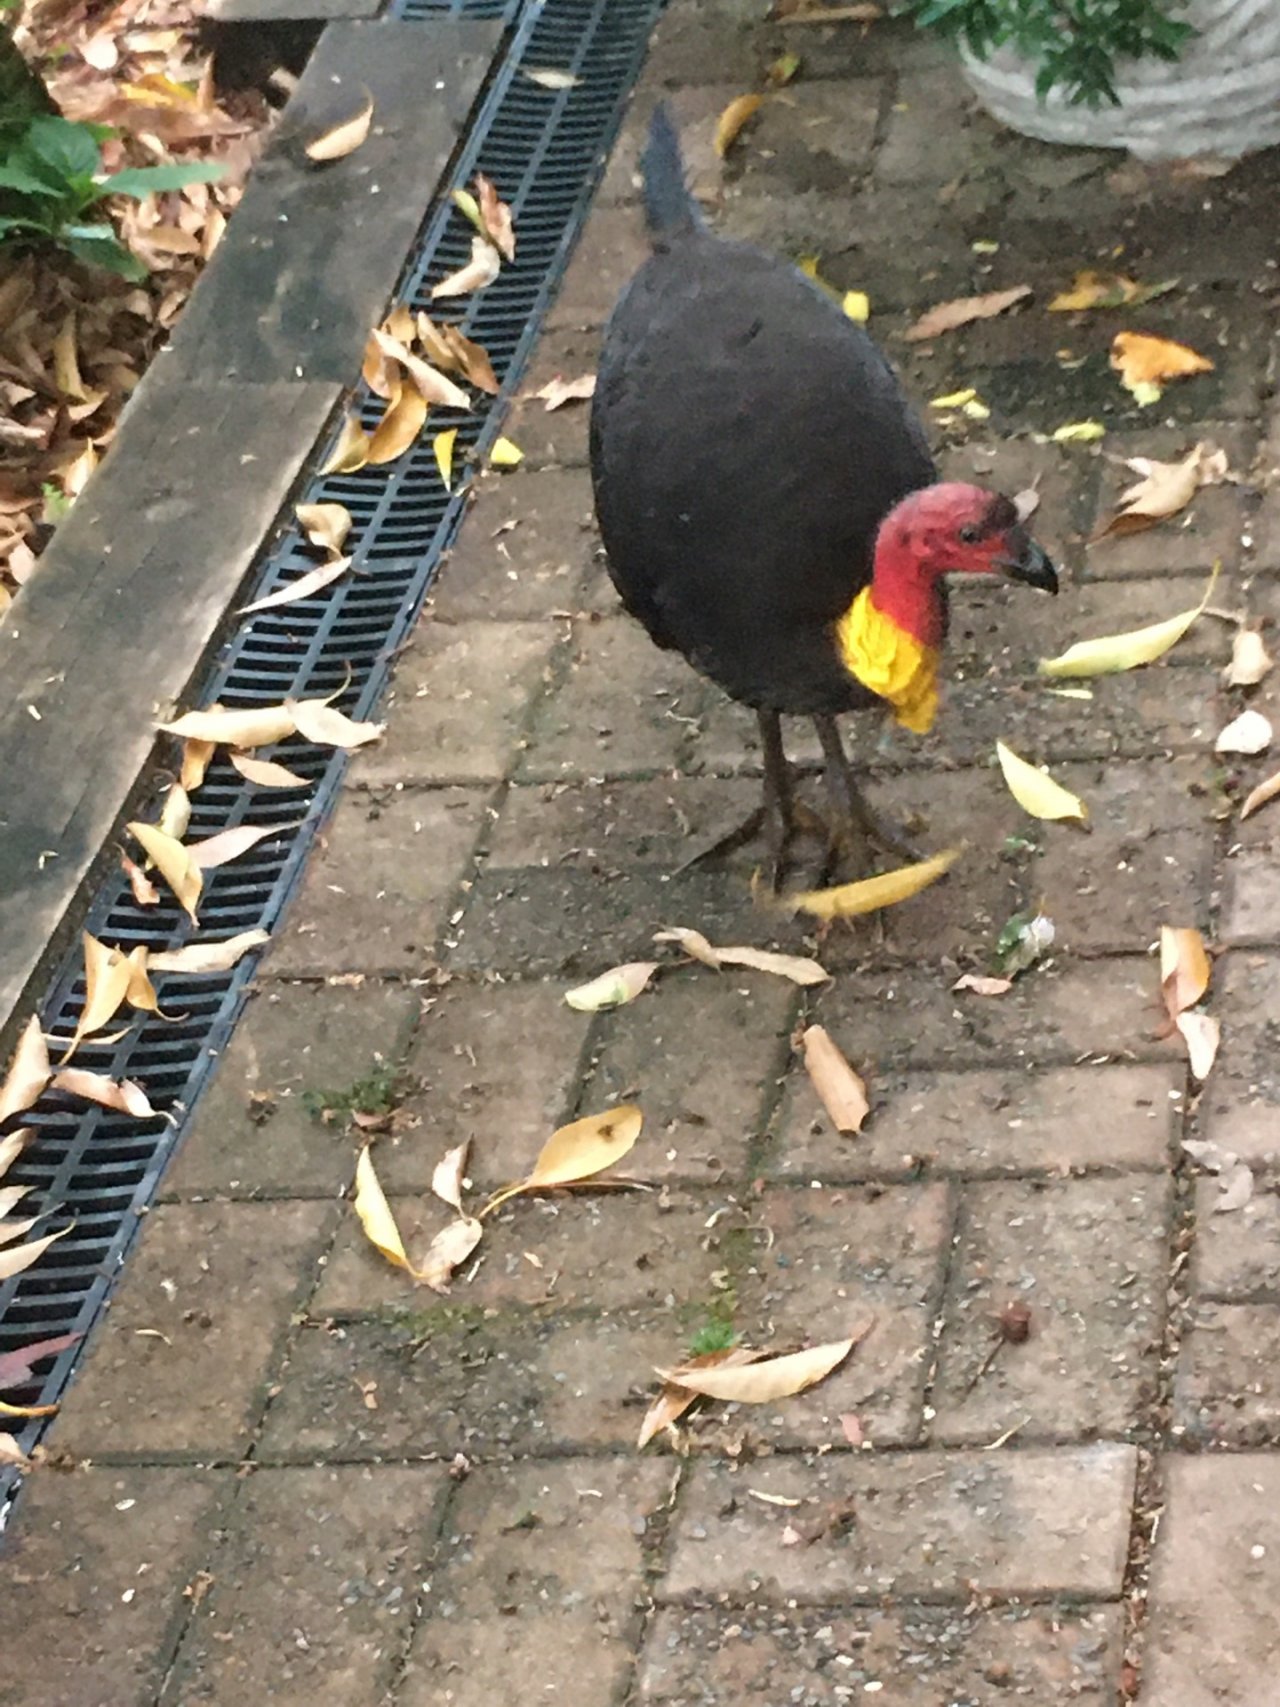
1166 79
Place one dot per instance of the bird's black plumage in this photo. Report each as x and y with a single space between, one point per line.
747 440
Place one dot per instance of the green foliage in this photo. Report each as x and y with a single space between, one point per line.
376 1093
1074 43
51 178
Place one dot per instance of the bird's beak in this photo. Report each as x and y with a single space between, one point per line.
1027 563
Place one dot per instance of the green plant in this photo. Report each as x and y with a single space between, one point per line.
376 1093
51 183
1075 43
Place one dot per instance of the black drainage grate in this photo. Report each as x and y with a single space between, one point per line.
544 149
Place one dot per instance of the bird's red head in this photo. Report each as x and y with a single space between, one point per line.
950 528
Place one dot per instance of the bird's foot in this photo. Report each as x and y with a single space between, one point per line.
853 837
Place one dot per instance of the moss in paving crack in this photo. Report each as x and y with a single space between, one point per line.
376 1093
410 1330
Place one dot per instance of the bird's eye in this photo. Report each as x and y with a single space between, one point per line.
968 534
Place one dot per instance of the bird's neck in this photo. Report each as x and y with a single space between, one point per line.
904 591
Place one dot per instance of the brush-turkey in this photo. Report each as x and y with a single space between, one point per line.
767 500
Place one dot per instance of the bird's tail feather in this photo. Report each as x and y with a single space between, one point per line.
670 210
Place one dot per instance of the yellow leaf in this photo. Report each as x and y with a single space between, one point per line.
782 70
468 206
1105 290
195 762
325 525
316 720
505 454
612 989
798 968
481 270
1202 1034
1260 795
107 974
1078 433
28 1071
378 373
8 1410
1140 359
141 993
947 316
199 957
1113 652
1036 792
305 587
66 369
121 1095
339 140
22 1256
586 1147
850 900
769 1379
375 1215
434 386
261 726
731 121
174 864
840 1091
857 305
954 399
672 1402
266 773
1184 968
351 451
442 445
449 348
399 427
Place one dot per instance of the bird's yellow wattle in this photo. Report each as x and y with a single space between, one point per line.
891 662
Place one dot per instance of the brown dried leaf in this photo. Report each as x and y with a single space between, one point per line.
1165 489
672 1402
433 385
266 773
797 968
840 1091
769 1379
305 587
28 1071
230 844
107 975
481 270
336 141
351 451
261 726
1185 968
199 957
66 369
195 762
452 350
557 392
22 1256
1250 660
175 813
398 428
451 1246
173 862
318 721
612 989
325 525
123 1096
1260 795
981 985
1141 359
495 216
947 316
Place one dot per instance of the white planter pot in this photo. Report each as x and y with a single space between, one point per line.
1221 96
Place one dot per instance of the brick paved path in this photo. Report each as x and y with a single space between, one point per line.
312 1482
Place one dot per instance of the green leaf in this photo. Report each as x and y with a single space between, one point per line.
68 148
144 180
11 222
16 174
98 246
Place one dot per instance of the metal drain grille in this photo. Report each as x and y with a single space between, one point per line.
544 149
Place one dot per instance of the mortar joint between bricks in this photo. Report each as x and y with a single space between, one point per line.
941 1296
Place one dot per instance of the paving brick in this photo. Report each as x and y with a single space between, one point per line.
463 694
924 105
613 1251
619 707
826 1264
1208 530
1147 860
1035 1522
699 1054
1228 1385
1213 1624
1237 1255
252 1129
373 898
1240 1106
1088 1258
493 1063
1061 1013
989 1121
613 247
526 549
313 1588
95 1568
178 1368
692 35
452 1378
1063 477
473 1662
920 1656
554 438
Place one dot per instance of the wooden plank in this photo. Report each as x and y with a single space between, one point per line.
110 631
314 252
288 11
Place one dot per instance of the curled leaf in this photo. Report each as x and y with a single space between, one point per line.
434 386
22 1256
400 425
767 1380
557 392
107 974
982 985
577 1151
375 1215
195 762
481 270
351 451
174 864
28 1071
1143 360
947 316
227 845
840 1091
442 446
1250 660
1164 490
142 888
1184 968
850 900
325 525
798 968
1249 733
209 956
175 812
1202 1035
305 587
730 124
1036 792
672 1402
336 141
495 217
316 720
1114 652
260 726
612 989
124 1096
266 773
1260 795
447 1176
451 1246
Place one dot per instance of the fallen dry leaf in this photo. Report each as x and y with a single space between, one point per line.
557 392
1113 652
1078 432
305 587
1250 660
1036 792
495 217
981 985
442 448
375 1215
451 1246
22 1256
1249 733
505 454
672 1402
813 12
729 125
12 1455
336 141
175 810
856 305
325 525
199 957
1166 488
796 967
1144 363
768 1379
549 77
28 1071
966 400
1235 1190
17 1367
318 721
1184 968
107 974
123 1096
1106 290
227 845
577 1151
173 862
266 773
1260 795
947 316
261 726
1202 1034
448 1175
451 350
840 1091
196 756
400 425
850 900
481 270
612 989
435 386
351 452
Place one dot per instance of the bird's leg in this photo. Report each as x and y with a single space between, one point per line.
850 812
776 814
